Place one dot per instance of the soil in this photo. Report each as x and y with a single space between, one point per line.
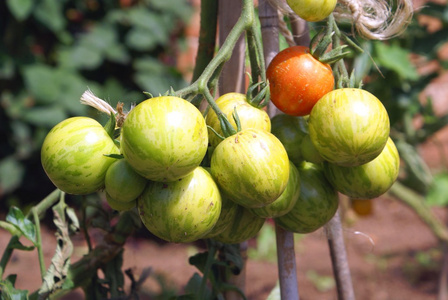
392 256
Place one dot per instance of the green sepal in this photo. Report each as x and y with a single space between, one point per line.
110 125
215 132
334 55
262 98
226 127
236 118
116 156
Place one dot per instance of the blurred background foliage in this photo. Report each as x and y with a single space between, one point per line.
51 51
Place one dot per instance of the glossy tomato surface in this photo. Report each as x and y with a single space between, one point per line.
297 80
287 199
312 10
317 203
73 152
250 116
291 131
349 127
251 167
369 180
164 138
243 226
122 183
184 210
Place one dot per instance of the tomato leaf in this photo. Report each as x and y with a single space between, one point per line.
16 244
439 189
17 218
193 286
20 8
9 292
396 59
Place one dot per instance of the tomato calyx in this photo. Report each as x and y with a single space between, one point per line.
258 94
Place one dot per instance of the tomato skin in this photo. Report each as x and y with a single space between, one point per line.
164 138
243 226
72 155
290 130
297 80
251 167
349 127
181 211
120 205
309 152
312 10
226 218
122 183
287 199
250 116
369 180
317 203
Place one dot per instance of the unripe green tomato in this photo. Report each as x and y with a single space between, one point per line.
309 152
120 205
181 211
369 180
251 167
349 127
287 199
312 10
228 211
244 226
122 183
290 130
73 155
317 203
164 138
250 116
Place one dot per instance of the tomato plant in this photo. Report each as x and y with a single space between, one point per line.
73 155
369 180
297 80
249 116
349 127
287 199
120 205
122 183
317 203
164 138
312 10
181 211
251 167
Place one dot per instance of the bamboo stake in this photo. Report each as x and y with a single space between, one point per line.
285 239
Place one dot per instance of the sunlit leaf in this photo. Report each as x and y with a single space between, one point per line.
16 217
396 59
437 194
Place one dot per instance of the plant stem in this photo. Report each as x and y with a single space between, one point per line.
207 268
417 204
40 253
339 260
7 254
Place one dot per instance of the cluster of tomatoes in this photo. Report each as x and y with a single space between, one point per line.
289 168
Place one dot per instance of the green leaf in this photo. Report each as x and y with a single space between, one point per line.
439 189
7 69
50 13
46 116
199 260
140 39
20 8
118 53
193 287
395 58
11 174
27 228
9 292
39 80
16 244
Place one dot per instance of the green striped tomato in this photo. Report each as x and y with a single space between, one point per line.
349 127
226 218
317 203
312 10
73 152
369 180
181 211
244 226
120 205
287 199
122 183
250 116
290 130
251 167
164 138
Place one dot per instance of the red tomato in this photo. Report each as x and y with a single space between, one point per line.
297 80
